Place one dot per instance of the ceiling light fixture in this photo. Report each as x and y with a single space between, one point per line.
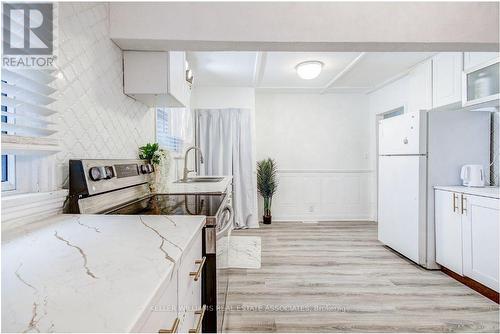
309 69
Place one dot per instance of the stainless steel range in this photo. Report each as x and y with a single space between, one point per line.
122 187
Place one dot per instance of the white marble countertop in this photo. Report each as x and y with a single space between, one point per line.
200 187
493 192
89 273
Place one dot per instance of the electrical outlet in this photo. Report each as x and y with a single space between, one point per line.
311 208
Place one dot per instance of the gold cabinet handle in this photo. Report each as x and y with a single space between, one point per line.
455 206
201 313
464 204
174 328
200 264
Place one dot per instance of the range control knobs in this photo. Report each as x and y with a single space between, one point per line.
101 173
95 174
146 169
109 172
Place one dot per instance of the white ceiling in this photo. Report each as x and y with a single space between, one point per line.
342 71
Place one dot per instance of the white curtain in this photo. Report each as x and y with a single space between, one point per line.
225 138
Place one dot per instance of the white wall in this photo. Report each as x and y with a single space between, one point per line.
223 97
96 120
321 146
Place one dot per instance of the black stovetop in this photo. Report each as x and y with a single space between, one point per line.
186 204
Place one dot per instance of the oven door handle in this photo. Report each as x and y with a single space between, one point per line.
228 222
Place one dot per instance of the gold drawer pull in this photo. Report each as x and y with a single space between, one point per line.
201 313
174 328
197 273
455 205
464 205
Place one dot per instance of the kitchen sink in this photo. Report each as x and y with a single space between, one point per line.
201 180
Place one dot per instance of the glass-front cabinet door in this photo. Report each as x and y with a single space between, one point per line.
480 84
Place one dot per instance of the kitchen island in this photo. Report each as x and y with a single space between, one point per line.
91 273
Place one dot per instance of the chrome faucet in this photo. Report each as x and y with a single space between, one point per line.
186 170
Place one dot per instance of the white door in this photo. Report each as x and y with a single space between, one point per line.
448 222
401 205
403 134
481 238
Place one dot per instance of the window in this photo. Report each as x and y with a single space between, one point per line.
27 132
8 160
394 112
170 124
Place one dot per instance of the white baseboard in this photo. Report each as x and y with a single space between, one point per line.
292 220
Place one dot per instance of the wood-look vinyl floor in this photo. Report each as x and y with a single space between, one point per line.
337 277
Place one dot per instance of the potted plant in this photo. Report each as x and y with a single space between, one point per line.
161 161
267 185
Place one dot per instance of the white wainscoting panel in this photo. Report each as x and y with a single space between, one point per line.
323 195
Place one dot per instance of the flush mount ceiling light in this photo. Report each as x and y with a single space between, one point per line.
309 69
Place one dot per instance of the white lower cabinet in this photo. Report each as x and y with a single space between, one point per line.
481 239
448 231
468 235
178 308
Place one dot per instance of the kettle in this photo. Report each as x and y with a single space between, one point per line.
472 175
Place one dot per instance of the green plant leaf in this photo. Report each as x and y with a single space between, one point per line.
267 182
148 152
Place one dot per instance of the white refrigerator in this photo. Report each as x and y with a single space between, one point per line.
418 151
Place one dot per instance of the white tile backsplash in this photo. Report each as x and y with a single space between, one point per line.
96 120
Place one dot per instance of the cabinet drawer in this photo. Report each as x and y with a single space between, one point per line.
190 264
189 307
189 288
191 315
163 313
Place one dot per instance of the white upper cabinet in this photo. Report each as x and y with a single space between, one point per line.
473 59
480 84
156 78
447 78
420 87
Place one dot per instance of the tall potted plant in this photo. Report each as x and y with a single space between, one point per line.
267 185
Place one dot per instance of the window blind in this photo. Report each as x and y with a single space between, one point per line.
167 133
26 125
